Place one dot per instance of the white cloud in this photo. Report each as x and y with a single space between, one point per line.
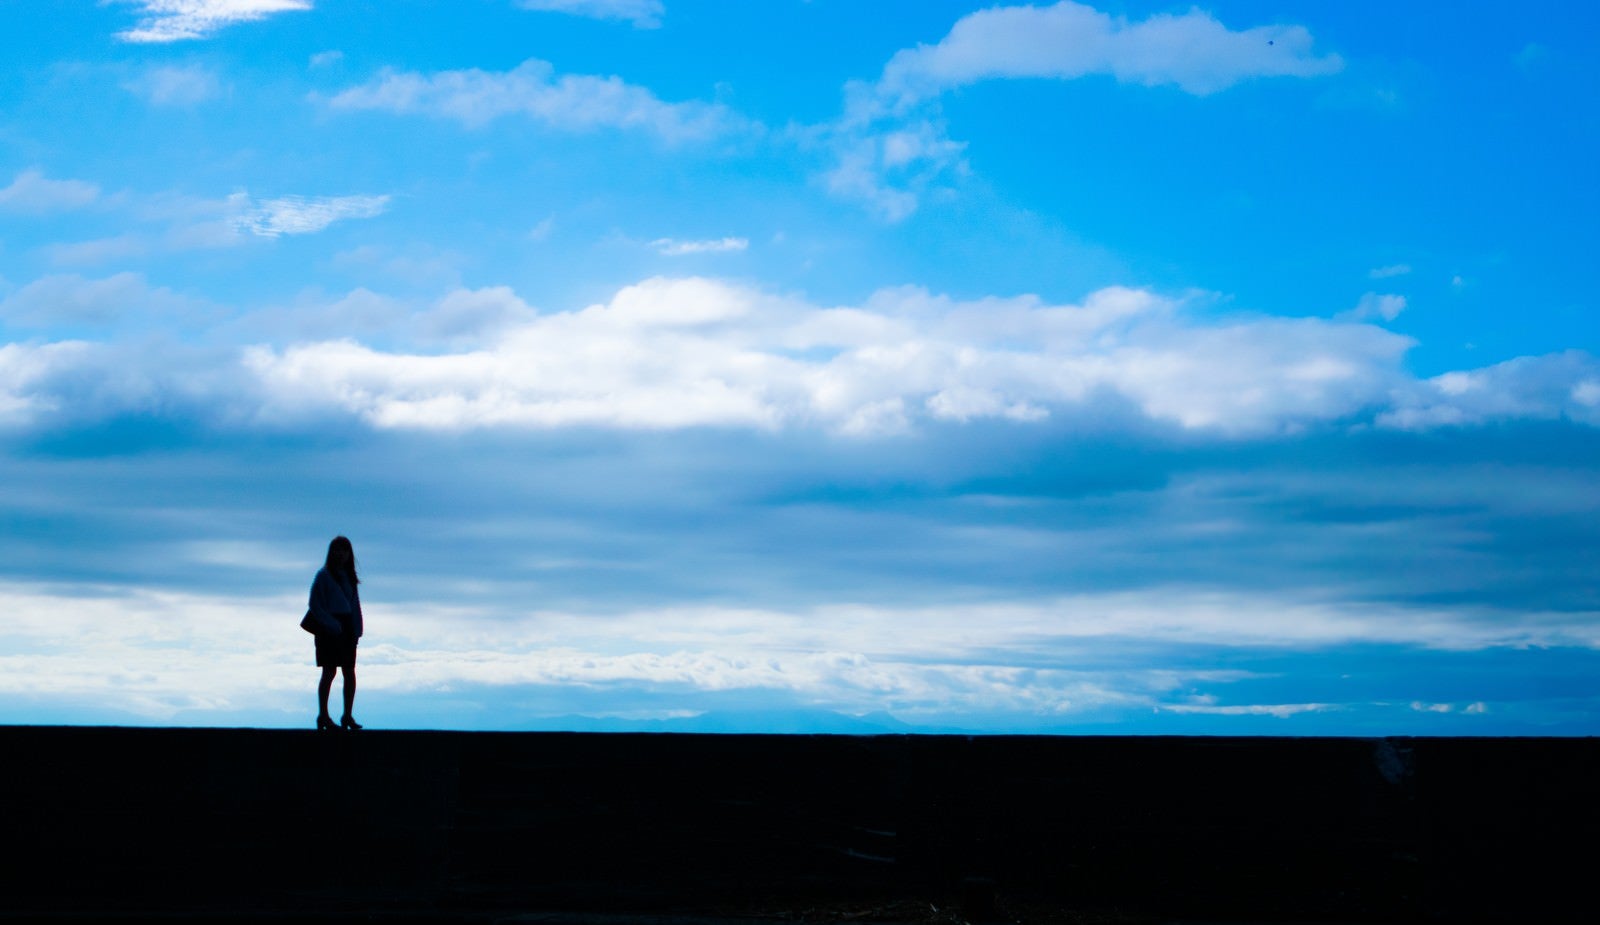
1376 305
177 20
307 214
672 247
146 651
71 299
474 316
326 58
1398 269
1553 386
32 192
1422 707
66 383
889 170
26 374
670 353
888 157
171 85
1192 51
571 102
644 14
1279 710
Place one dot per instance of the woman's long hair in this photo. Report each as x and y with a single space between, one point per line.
343 543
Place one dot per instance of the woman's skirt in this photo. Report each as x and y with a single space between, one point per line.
337 651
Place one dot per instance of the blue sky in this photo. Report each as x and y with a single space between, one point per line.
1132 368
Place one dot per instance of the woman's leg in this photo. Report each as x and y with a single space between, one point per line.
324 686
349 688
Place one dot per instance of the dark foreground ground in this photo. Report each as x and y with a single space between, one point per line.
182 824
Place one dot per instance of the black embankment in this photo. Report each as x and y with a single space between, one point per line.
173 823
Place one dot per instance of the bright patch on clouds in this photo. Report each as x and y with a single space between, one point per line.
672 247
572 102
670 353
177 20
1424 707
1279 710
644 14
306 214
32 192
157 654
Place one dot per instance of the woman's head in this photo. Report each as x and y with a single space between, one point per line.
341 558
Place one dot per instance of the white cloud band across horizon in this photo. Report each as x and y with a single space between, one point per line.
673 353
118 648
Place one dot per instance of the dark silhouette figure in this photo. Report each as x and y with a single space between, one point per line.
334 596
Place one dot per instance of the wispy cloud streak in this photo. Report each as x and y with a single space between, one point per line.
180 20
571 102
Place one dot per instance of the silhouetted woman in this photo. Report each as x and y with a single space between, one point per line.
333 595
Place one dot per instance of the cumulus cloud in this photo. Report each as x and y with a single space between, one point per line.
306 214
1192 51
63 384
671 353
473 316
32 192
572 102
172 85
26 372
1377 305
177 20
644 14
673 247
676 353
1549 387
888 151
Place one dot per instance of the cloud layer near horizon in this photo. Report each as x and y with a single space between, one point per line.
187 655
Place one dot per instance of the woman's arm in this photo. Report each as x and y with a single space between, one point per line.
319 602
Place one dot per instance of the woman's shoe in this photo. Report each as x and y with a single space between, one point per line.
325 722
350 724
